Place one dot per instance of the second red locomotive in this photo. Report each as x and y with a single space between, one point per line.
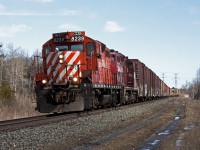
80 73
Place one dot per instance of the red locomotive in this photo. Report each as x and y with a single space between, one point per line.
80 73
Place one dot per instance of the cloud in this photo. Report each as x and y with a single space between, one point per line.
112 26
40 1
26 13
70 27
67 12
193 10
10 31
2 8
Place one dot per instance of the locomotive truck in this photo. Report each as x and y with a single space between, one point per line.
80 73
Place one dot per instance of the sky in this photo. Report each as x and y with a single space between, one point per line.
163 34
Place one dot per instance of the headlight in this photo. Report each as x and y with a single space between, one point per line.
44 81
61 56
60 61
75 79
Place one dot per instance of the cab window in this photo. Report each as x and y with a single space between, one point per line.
77 47
47 49
62 48
112 58
90 48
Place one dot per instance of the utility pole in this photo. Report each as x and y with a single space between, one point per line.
163 78
175 80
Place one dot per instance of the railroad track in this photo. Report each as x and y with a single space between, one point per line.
10 125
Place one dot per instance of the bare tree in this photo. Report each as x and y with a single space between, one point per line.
2 59
193 88
197 85
16 69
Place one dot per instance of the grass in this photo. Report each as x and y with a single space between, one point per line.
20 108
192 121
134 139
185 137
188 131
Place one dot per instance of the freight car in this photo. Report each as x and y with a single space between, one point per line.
80 73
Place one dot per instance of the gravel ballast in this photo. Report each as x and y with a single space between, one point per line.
72 132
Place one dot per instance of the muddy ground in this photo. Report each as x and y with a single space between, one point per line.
170 127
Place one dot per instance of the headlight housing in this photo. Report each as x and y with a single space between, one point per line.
75 79
61 61
61 56
44 81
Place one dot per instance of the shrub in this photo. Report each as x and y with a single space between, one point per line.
6 93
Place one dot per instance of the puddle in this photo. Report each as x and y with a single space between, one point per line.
177 118
154 142
189 127
164 133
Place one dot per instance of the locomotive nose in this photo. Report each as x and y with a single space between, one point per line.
64 64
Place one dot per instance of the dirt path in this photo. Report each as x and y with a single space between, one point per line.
147 128
170 128
176 126
187 134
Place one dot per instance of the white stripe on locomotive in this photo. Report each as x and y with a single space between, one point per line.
49 57
71 62
61 75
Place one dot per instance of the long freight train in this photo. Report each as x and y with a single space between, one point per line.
80 73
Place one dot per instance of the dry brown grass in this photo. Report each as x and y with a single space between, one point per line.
188 131
20 108
134 139
185 137
192 120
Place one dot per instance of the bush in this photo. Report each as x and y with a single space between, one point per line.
6 93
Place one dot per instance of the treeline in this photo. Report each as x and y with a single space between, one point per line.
16 73
17 70
193 88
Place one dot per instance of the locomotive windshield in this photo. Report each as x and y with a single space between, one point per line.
77 47
73 47
112 58
90 48
62 48
47 49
